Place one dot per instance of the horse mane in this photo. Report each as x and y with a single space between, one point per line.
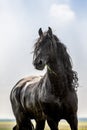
71 75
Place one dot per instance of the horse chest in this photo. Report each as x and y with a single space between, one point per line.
51 106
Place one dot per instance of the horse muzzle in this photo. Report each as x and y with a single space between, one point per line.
39 65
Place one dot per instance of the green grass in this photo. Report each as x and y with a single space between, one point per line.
6 125
62 126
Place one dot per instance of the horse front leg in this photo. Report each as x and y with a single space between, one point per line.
73 122
53 124
40 124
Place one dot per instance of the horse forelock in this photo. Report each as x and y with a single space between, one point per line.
39 41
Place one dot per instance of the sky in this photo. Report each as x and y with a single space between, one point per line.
20 21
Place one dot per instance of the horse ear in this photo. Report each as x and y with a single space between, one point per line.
50 31
40 32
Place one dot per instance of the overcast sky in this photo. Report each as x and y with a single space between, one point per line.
19 24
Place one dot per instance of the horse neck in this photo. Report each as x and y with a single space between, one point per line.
57 79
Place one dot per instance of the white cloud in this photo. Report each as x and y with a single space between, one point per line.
62 13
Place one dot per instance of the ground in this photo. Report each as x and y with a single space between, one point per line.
63 125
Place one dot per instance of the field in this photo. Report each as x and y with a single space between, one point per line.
8 125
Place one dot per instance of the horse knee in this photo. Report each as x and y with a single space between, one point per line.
53 124
40 125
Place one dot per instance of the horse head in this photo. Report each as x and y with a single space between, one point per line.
45 48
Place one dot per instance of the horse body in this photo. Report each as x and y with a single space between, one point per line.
51 97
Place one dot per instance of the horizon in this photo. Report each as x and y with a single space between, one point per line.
13 119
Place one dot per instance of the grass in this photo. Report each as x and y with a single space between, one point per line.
7 125
62 126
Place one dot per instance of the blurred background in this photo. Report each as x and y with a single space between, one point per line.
19 24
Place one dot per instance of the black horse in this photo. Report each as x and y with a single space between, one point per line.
51 97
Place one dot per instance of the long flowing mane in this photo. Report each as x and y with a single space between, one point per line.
66 59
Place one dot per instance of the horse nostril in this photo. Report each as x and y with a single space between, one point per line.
37 63
40 62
